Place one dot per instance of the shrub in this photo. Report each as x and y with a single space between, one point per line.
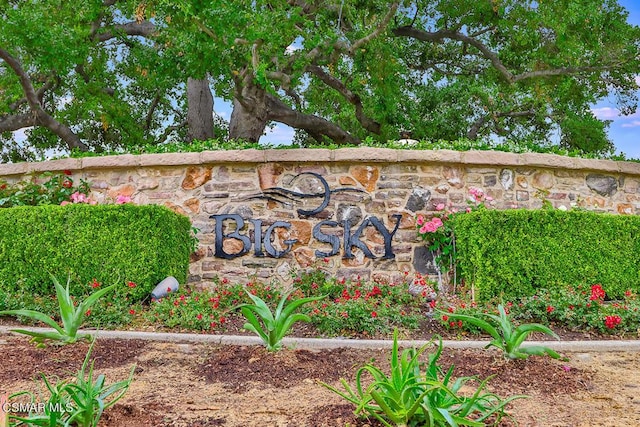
513 253
112 243
582 308
56 189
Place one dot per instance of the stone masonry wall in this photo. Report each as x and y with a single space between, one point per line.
274 191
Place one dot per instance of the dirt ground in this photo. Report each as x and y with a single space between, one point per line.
211 385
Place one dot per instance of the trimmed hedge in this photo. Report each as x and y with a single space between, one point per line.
111 243
512 253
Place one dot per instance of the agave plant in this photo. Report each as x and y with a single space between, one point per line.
75 403
273 327
407 396
508 337
71 316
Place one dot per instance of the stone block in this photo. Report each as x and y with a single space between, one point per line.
55 165
196 176
111 162
364 154
429 156
543 180
298 155
169 159
498 158
13 169
454 176
367 176
232 156
604 185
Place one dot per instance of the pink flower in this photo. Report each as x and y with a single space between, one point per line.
78 197
121 199
488 198
468 210
440 207
420 220
428 227
65 203
437 221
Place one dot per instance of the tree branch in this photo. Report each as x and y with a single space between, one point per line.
438 36
367 123
379 29
144 29
152 109
11 123
561 72
478 124
487 53
170 129
314 125
40 116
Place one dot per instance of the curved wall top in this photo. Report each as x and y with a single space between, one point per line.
349 211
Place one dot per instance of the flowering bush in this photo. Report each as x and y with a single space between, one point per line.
582 308
46 189
366 309
199 310
438 231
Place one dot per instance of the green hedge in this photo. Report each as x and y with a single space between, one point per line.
111 243
513 253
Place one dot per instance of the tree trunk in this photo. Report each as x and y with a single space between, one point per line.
199 110
317 127
249 117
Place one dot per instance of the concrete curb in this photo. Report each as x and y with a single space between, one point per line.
328 343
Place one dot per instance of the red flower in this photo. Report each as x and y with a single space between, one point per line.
213 325
452 324
67 172
88 312
597 293
445 318
627 294
459 323
450 309
612 321
374 314
199 316
132 312
550 309
432 303
131 284
67 183
95 284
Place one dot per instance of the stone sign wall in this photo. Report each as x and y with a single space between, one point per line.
352 211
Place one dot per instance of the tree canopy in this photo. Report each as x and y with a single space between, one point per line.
103 74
